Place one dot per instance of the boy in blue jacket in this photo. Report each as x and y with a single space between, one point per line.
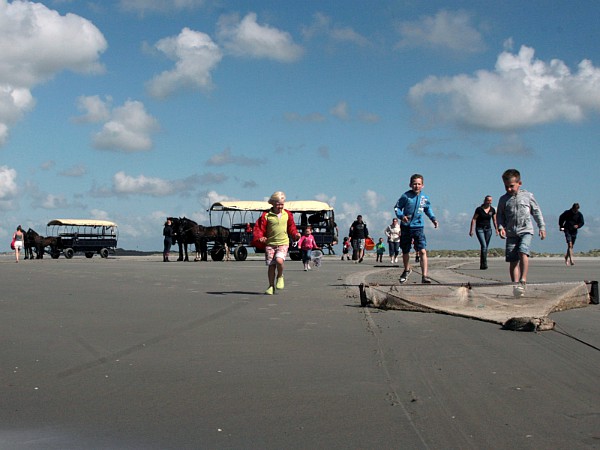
409 210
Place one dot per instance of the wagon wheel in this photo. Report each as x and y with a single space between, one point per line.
104 253
240 253
68 253
89 254
54 254
217 253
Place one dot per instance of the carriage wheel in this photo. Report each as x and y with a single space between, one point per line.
240 253
68 253
104 253
89 254
217 253
55 254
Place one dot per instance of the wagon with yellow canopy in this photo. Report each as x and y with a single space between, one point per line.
241 215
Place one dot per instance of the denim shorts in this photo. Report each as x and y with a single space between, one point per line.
410 236
516 245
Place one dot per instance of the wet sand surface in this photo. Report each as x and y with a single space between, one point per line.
133 353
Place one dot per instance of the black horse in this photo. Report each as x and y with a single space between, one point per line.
180 237
29 243
186 231
34 240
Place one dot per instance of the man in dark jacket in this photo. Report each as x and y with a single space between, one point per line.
570 222
358 234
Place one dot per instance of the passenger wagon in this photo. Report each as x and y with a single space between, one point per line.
85 236
240 216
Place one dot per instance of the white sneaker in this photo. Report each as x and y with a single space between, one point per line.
519 289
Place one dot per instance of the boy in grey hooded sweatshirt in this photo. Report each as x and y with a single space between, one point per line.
514 213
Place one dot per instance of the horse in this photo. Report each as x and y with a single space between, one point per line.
189 232
180 237
29 243
219 235
40 243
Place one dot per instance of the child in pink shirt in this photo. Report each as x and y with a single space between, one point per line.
307 244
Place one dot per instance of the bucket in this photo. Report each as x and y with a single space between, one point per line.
316 256
369 244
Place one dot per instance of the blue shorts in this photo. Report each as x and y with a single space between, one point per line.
516 245
410 236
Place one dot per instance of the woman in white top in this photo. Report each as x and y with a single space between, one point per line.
393 235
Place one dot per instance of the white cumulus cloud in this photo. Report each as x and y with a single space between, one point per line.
195 55
521 92
36 43
124 184
14 103
126 128
8 186
156 187
247 38
94 108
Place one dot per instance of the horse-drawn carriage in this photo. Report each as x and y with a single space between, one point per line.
82 236
240 216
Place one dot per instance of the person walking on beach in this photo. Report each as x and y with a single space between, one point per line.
410 209
19 238
392 232
346 248
272 231
168 240
379 250
515 210
482 221
307 244
358 234
570 222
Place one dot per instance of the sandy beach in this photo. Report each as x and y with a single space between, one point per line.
130 352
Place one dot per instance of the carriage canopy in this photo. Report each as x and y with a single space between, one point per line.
293 206
82 223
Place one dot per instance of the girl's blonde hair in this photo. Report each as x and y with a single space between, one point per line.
277 197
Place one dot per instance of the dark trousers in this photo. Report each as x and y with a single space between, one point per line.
167 248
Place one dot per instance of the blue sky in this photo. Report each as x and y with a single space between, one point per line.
133 110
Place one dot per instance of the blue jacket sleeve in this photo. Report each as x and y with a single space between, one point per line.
399 208
428 211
